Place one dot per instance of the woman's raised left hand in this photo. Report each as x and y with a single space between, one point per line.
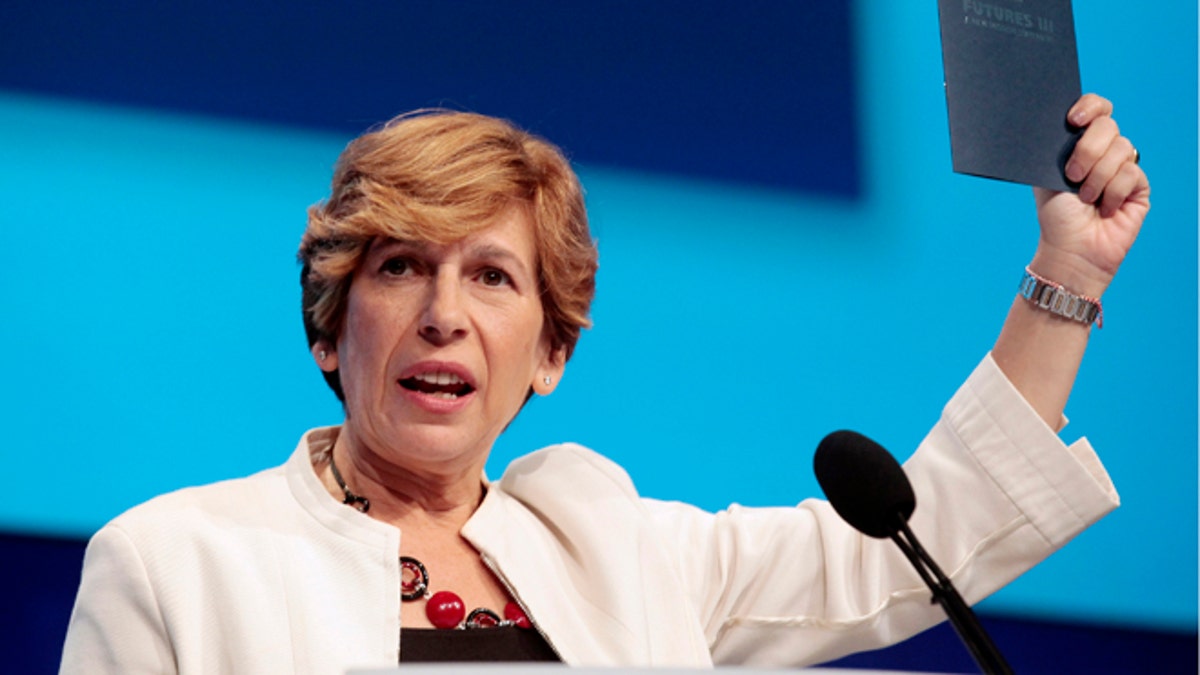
1085 236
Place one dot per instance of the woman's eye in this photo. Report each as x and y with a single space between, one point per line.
395 266
493 277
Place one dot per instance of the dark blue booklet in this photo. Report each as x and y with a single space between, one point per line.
1012 72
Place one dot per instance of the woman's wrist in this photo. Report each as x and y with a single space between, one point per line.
1071 272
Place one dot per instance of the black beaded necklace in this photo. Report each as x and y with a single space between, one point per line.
361 503
444 609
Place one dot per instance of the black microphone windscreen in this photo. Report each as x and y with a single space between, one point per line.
865 484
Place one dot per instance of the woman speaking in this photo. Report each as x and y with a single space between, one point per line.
445 281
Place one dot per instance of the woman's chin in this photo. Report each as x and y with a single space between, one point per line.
436 445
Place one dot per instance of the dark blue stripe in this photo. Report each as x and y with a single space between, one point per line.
761 92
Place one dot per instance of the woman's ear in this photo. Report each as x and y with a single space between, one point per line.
550 373
325 356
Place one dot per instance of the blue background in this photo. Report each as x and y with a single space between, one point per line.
784 249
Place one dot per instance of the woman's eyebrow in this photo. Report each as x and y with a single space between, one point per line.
388 243
495 252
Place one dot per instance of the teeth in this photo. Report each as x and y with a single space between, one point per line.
446 395
441 379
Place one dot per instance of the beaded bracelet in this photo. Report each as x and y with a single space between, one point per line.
1054 298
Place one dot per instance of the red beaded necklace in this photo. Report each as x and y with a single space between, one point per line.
444 608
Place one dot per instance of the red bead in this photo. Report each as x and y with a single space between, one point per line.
514 613
445 610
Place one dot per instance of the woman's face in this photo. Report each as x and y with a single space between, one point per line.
441 343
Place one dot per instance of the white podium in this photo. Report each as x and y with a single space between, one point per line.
553 668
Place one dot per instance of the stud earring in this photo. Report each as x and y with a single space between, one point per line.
322 354
546 379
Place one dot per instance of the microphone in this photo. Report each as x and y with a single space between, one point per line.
869 490
863 483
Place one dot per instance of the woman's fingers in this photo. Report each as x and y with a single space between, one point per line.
1119 152
1096 140
1088 108
1129 180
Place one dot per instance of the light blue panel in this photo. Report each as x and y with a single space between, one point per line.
152 295
753 323
1136 396
155 342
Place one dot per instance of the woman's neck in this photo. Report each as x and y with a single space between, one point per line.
440 498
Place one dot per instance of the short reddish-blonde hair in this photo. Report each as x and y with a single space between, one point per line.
439 176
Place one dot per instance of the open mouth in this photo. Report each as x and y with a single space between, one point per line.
447 386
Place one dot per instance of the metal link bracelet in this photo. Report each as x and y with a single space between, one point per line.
1054 298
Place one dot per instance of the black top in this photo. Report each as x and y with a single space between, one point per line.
507 643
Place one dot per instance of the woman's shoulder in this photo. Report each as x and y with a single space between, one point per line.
566 463
219 505
259 497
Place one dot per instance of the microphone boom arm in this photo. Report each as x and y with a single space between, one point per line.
987 656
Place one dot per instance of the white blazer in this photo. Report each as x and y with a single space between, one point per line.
270 574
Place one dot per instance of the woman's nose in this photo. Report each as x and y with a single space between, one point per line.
444 318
